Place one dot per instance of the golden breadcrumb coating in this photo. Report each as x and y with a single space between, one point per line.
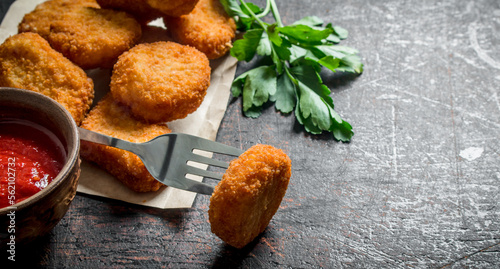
173 8
44 14
161 81
249 194
112 118
207 28
90 37
28 62
141 10
146 11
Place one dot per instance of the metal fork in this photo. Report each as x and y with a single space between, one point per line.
166 157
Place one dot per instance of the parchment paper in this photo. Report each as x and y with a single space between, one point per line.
204 122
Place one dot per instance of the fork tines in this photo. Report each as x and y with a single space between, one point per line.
200 147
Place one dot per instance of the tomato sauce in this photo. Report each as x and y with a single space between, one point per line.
30 158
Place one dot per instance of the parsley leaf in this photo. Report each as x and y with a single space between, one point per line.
286 98
246 47
256 86
297 52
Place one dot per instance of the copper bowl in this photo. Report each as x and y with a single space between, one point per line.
39 213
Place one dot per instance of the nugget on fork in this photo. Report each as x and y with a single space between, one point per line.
249 194
111 118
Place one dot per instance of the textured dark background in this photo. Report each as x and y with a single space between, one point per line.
405 192
4 6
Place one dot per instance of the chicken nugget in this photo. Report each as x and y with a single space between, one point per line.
28 62
161 81
140 9
114 119
208 28
90 37
173 8
146 11
44 14
249 194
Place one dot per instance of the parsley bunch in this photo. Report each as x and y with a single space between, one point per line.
296 54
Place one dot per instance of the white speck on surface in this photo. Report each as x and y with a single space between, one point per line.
393 97
394 144
471 153
387 97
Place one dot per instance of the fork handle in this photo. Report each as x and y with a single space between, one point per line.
98 138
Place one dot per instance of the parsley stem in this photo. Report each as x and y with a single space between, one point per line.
257 19
276 13
292 78
265 11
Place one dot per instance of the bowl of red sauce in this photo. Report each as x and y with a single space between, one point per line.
39 165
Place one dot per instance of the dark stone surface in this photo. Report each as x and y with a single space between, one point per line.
418 185
4 7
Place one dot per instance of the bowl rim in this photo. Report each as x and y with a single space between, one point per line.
72 156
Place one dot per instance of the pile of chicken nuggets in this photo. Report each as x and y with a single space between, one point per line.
151 84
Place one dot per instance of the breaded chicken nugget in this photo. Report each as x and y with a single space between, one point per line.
249 194
173 8
90 37
207 28
161 81
140 9
44 14
28 62
111 118
148 10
